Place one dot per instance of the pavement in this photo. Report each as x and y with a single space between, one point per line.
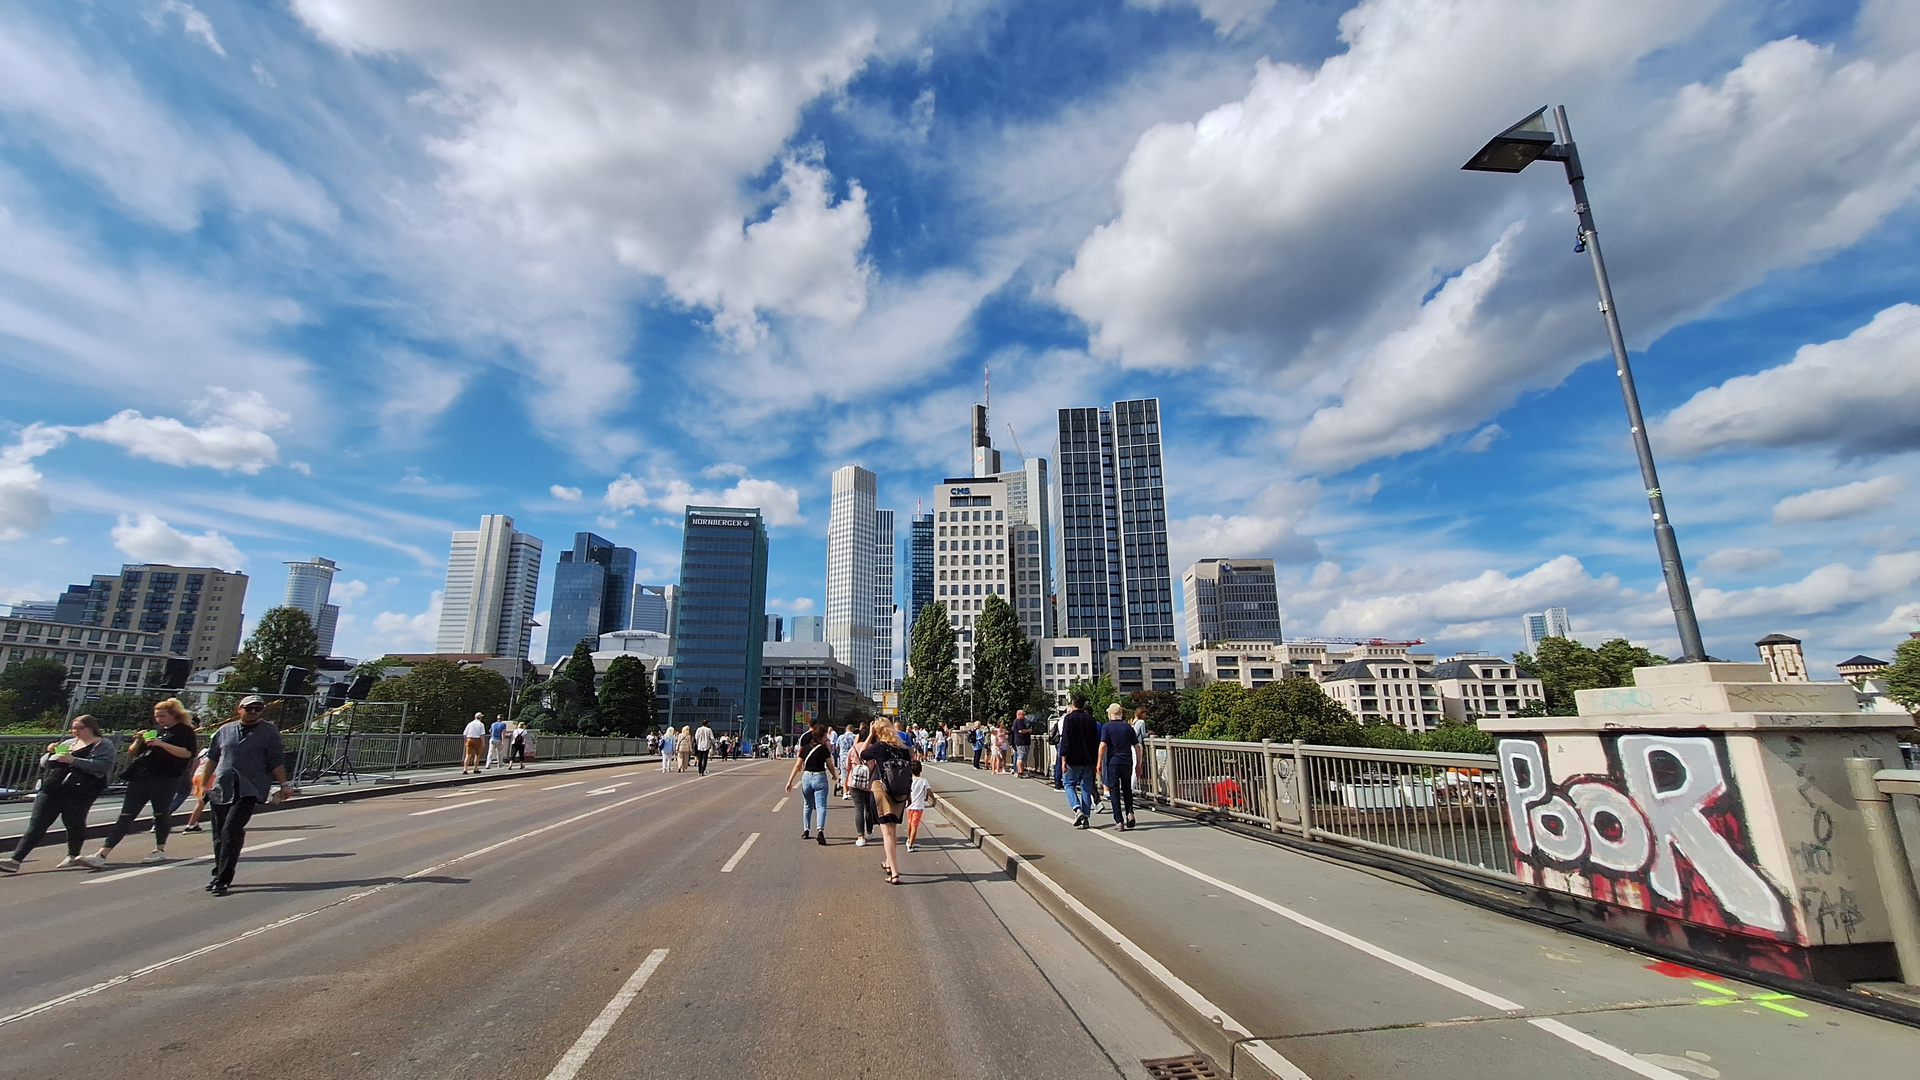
1313 968
617 923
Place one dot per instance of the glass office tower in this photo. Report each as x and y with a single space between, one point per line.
1113 527
921 567
719 623
592 594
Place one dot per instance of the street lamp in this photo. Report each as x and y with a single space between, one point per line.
1509 152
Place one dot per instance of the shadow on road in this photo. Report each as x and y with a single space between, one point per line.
360 883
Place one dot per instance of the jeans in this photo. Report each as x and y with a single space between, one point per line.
864 812
66 804
1059 767
1119 781
159 792
977 748
813 800
702 755
230 835
1080 789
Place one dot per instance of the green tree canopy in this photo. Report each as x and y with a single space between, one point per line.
626 698
930 695
556 707
1563 666
1458 739
1099 694
1903 675
1003 678
1167 712
579 668
39 685
1285 710
284 637
442 696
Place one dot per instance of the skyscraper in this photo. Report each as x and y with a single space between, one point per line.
807 628
493 581
1026 501
720 620
920 566
198 608
309 584
1231 600
774 627
883 611
1117 589
856 550
652 608
1536 626
592 593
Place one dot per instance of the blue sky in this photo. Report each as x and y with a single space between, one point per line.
337 278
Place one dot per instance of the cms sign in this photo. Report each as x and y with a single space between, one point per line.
959 491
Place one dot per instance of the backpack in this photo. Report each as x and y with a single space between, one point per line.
896 775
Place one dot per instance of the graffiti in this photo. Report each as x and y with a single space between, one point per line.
1662 820
1627 698
1824 911
1817 857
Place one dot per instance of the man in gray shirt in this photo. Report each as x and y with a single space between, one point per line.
245 759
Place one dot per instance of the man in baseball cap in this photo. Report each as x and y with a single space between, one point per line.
244 760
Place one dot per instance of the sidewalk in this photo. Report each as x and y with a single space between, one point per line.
13 815
1326 970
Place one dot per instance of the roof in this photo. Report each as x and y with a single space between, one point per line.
1464 669
1862 661
1778 639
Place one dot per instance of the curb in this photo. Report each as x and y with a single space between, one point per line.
58 835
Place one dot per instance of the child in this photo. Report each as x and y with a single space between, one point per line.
918 800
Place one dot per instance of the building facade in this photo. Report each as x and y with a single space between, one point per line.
309 586
493 582
1116 587
1537 626
775 628
99 660
800 681
195 609
593 591
1063 662
1473 685
652 609
1231 600
920 566
970 555
807 628
851 550
720 620
884 612
1144 667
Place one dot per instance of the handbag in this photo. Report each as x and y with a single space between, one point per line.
883 804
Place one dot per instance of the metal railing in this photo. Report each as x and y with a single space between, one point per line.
1446 810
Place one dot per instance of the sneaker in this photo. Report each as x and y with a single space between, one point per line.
193 828
1130 821
860 842
806 834
9 866
69 863
97 860
158 856
909 845
821 836
1080 821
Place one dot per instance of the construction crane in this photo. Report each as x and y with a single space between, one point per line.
1355 641
1016 444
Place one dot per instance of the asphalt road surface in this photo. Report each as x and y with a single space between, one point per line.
611 924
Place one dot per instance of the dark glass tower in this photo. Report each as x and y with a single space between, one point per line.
1118 589
592 593
720 620
920 565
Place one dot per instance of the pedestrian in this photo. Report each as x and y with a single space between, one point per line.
476 745
243 754
157 764
918 799
940 744
1053 751
859 780
666 750
1119 764
1022 743
996 749
683 747
517 754
197 783
810 767
497 743
73 774
889 765
1079 750
842 746
703 745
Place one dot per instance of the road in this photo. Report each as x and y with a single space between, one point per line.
608 924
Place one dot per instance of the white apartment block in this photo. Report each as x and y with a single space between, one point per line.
1473 685
1150 666
493 578
99 660
1395 690
971 538
197 609
1254 664
1063 662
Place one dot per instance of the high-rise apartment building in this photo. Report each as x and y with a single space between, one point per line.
195 609
883 609
1231 600
1027 501
859 551
719 620
493 581
592 593
920 567
1537 626
807 628
309 585
1117 589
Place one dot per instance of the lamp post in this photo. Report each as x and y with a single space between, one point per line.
1509 152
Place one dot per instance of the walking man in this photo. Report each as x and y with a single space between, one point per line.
1079 750
476 746
497 738
1022 742
703 745
246 758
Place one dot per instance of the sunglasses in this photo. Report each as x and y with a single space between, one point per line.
252 708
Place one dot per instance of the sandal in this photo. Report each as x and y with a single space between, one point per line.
893 878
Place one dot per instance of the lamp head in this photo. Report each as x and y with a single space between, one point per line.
1515 148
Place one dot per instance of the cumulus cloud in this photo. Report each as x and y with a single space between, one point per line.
346 592
1226 15
1491 594
1839 393
564 494
146 538
23 506
1845 501
779 504
1826 589
1740 560
1904 619
232 440
801 605
403 633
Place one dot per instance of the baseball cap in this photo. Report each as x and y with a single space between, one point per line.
253 699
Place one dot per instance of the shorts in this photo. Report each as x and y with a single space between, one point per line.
476 746
913 819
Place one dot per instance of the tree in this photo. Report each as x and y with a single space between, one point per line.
579 668
1285 710
126 712
1214 705
930 695
1458 739
441 696
39 686
1563 666
1902 676
1003 678
1099 694
626 698
1166 711
283 638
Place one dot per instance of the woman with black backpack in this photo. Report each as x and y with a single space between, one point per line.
890 764
75 775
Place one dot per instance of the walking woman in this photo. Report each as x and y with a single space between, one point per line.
75 775
157 763
683 746
996 750
810 768
1119 764
859 781
885 748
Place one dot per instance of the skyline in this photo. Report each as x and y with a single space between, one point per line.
283 284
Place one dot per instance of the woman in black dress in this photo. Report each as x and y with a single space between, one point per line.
884 745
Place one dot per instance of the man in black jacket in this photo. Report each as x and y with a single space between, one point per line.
1079 746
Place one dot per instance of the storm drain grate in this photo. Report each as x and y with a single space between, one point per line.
1194 1067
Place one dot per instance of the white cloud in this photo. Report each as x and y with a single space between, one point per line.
1847 393
262 75
1364 492
1740 560
147 538
192 22
402 633
23 507
779 504
1491 594
1826 589
801 605
1484 439
564 494
232 441
1845 501
1904 619
346 592
1226 15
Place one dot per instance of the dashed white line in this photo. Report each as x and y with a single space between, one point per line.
557 787
609 789
145 870
474 791
779 805
444 809
583 1047
738 855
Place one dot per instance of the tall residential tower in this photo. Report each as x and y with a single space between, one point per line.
1117 589
1231 600
493 580
309 586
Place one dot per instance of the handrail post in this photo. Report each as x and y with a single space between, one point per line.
1302 791
1890 863
1271 785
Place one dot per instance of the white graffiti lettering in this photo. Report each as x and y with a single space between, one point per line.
1679 824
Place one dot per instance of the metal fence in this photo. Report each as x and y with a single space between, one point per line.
1447 810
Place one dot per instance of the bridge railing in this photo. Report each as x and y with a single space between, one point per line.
1446 810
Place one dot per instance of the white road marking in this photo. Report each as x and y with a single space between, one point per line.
780 805
444 809
557 787
1555 1028
738 855
145 870
108 984
583 1047
474 791
610 788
